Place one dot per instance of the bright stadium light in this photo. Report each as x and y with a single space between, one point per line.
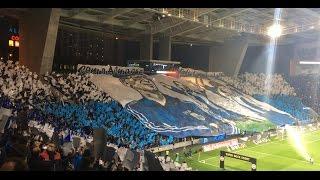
275 31
309 62
166 72
295 138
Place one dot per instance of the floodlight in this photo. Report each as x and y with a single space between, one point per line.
275 31
309 62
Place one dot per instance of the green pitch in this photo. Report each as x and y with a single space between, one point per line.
275 155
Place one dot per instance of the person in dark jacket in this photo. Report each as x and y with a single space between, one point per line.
58 166
14 164
56 138
76 161
34 160
85 163
4 137
22 120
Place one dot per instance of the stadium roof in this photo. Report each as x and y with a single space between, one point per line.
193 25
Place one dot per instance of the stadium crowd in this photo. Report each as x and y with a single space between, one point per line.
81 107
308 88
77 108
280 94
76 87
58 154
48 111
290 104
252 84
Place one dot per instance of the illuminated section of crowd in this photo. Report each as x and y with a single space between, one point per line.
66 106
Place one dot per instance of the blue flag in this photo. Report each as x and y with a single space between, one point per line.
68 138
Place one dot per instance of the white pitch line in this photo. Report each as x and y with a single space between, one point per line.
262 145
245 148
203 162
267 154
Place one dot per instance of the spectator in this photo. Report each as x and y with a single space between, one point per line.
14 164
34 159
44 155
85 163
76 160
46 164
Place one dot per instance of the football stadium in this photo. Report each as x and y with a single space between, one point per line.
159 89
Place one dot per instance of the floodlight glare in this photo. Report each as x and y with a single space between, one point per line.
309 62
296 139
275 31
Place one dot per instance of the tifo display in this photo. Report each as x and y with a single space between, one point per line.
59 113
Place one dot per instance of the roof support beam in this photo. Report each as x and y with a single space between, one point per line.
206 11
139 18
175 21
77 11
309 12
220 17
194 36
90 18
289 22
98 10
185 27
210 33
114 13
117 12
232 12
97 31
165 24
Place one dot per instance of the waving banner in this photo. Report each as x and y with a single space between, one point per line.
197 73
190 106
116 71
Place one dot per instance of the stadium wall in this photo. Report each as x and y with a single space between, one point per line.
76 46
38 32
227 57
195 56
255 60
308 51
305 51
73 47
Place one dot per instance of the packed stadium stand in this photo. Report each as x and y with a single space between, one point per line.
85 99
80 106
